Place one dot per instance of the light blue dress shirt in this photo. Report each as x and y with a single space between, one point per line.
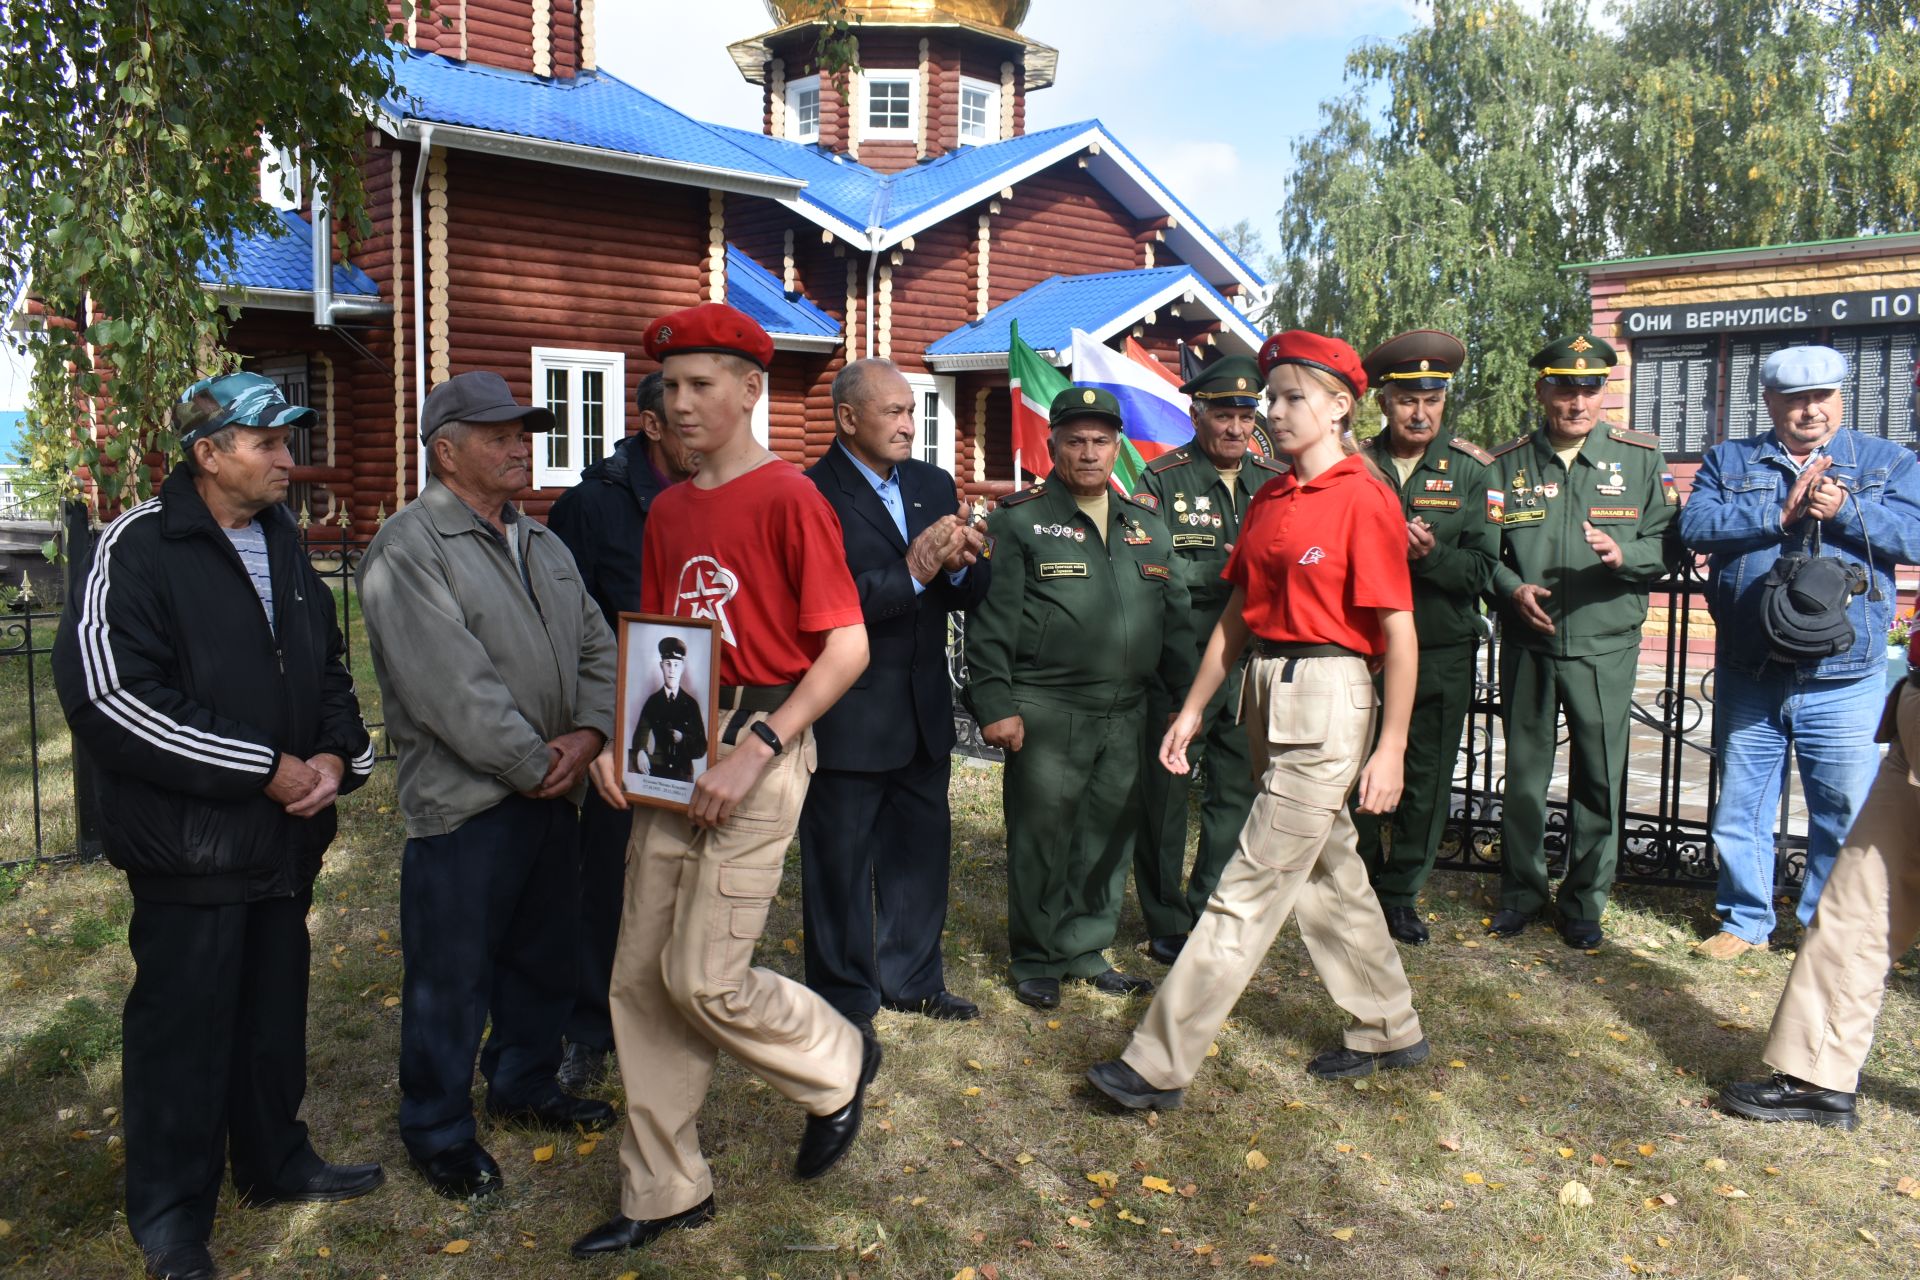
888 490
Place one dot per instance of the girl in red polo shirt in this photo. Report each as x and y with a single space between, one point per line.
1321 592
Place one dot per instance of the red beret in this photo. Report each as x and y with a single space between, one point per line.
1316 351
712 326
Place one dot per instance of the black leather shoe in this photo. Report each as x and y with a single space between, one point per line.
1785 1098
1041 993
1115 983
618 1233
582 1067
1166 948
459 1171
333 1182
941 1006
1130 1089
1405 924
1507 923
180 1262
1582 935
557 1111
1344 1063
827 1138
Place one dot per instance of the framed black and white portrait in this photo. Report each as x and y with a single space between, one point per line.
668 692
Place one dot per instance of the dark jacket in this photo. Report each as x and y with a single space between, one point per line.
171 678
905 696
602 519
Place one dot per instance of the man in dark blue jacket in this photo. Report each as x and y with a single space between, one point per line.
201 667
602 520
1753 501
875 835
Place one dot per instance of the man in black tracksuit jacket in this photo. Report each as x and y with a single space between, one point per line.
222 734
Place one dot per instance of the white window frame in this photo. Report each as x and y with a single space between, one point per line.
870 132
762 425
935 433
795 88
612 365
991 129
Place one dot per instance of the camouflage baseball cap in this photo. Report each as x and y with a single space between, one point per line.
244 399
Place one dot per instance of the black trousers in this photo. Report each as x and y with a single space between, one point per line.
875 850
213 1058
603 879
486 919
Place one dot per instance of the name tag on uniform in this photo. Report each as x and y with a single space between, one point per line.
1063 569
1613 513
1438 504
1158 571
1525 517
1194 540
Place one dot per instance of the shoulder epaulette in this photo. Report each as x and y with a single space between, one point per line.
1471 449
1023 495
1167 461
1511 445
1144 501
1626 435
1262 460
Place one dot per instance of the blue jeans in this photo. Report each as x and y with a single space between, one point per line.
1830 724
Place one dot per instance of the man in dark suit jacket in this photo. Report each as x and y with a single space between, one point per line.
876 833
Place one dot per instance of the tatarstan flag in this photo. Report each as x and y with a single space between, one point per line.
1035 384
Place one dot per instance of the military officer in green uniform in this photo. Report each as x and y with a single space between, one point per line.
1451 549
1087 603
1584 511
1201 490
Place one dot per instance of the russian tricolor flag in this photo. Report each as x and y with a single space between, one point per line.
1150 401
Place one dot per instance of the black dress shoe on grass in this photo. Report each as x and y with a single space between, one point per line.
1405 924
1130 1089
941 1006
1507 923
460 1171
827 1138
619 1233
1582 935
332 1182
1115 983
1784 1098
557 1111
179 1262
1167 947
582 1067
1040 993
1344 1063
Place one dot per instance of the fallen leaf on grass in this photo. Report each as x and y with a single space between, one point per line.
1868 1236
974 1064
587 1148
1023 1158
989 1272
1213 1050
1909 1187
1665 1200
1161 1185
1472 1179
1343 1233
1202 1250
1646 1148
1457 1065
455 1246
971 1091
1257 1161
1098 1202
1446 1204
1663 1242
1079 1222
1449 1144
1053 1024
1575 1195
965 1273
1128 1215
1714 1165
1261 1260
629 1275
1621 1036
390 1002
1731 1192
1772 1170
1106 1180
1566 1153
542 1154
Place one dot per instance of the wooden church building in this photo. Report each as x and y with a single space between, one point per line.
531 213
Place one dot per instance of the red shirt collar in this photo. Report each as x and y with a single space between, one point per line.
1352 464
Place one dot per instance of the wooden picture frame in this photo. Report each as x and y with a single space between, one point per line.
661 713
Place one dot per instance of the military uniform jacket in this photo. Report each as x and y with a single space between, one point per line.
1620 484
1448 490
1204 520
659 717
1069 623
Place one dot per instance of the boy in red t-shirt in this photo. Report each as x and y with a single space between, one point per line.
750 543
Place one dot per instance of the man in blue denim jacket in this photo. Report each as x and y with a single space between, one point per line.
1753 501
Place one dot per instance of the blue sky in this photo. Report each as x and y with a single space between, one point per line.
1208 95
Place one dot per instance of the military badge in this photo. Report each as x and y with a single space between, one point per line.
1551 489
1496 506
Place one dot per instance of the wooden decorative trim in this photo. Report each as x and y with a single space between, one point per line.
1006 100
589 37
326 369
980 435
463 30
716 247
925 108
777 98
439 320
788 271
853 309
981 293
397 247
883 307
543 37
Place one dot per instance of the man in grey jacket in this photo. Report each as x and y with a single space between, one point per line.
497 673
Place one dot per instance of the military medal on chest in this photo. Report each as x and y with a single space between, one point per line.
1136 534
1551 489
1614 484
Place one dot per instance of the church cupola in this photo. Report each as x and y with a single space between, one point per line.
935 75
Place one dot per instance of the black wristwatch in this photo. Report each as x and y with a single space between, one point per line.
764 731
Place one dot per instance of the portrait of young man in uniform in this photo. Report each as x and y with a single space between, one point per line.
671 733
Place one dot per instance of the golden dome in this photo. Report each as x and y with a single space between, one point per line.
1006 14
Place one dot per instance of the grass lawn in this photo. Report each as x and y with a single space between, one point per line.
984 1149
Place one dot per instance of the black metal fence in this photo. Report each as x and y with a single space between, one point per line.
1665 818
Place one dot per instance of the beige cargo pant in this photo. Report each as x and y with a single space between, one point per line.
684 985
1867 918
1309 726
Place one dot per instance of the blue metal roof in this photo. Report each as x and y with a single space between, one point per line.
1050 311
591 109
282 261
757 291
